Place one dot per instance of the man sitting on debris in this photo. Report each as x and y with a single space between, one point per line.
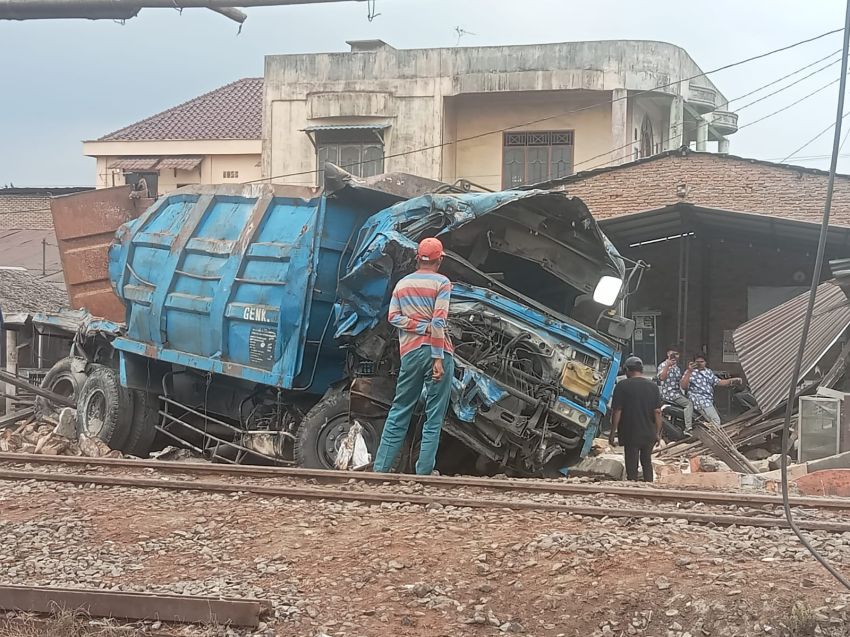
419 309
699 381
670 375
636 418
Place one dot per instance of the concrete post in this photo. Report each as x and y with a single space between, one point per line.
723 146
702 134
11 367
677 115
620 126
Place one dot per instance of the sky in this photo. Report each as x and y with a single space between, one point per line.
64 81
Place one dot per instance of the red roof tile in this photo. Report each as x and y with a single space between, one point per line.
234 111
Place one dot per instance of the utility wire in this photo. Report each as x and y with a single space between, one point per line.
785 77
569 112
807 321
814 139
748 124
787 86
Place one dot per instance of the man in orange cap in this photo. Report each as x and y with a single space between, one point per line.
419 309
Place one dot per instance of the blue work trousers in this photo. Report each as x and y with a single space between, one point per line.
416 369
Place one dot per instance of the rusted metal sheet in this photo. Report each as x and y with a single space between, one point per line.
170 608
85 224
767 345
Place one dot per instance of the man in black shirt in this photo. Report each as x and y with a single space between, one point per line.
636 418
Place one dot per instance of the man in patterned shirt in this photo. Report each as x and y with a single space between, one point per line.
419 308
699 381
669 377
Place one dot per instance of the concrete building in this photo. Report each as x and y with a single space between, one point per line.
498 116
211 139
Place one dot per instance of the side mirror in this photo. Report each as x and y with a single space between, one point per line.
616 326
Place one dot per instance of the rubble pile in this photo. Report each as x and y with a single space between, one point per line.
49 437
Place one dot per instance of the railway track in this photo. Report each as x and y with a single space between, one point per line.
701 507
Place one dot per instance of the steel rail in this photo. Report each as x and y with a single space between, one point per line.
498 484
184 609
300 493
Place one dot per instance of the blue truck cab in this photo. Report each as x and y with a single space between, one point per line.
256 322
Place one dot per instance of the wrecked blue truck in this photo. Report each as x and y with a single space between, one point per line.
256 325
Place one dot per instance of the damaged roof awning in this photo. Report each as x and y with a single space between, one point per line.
179 162
346 132
335 127
133 163
767 345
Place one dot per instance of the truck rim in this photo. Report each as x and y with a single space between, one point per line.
334 433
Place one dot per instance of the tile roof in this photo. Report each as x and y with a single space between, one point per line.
234 111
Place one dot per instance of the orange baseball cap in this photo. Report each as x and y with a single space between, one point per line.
430 249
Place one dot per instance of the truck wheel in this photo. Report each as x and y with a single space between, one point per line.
65 378
143 427
104 408
325 427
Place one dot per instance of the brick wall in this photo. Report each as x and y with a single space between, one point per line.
714 181
25 212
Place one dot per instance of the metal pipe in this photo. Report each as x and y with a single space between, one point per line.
14 381
126 9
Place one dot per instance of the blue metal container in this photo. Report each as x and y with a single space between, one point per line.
238 282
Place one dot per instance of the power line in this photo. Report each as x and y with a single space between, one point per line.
807 320
787 86
569 112
813 139
785 77
761 119
792 104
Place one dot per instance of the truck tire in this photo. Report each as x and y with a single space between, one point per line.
143 426
62 379
325 427
104 408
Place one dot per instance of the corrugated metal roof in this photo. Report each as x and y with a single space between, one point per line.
767 345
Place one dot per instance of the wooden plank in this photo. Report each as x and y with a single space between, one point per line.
136 606
12 419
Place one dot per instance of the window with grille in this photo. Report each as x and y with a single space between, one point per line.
535 156
358 151
230 174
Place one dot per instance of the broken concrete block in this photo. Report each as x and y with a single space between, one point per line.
606 465
707 464
839 461
834 482
67 426
794 471
762 466
94 447
703 480
775 460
